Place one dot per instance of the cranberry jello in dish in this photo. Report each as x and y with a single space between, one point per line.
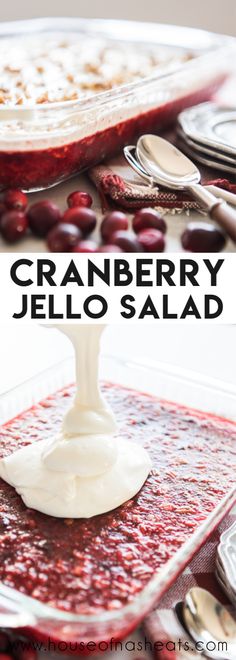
73 91
91 579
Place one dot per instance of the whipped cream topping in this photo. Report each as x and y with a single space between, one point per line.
56 67
86 470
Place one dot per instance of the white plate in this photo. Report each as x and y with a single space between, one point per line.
202 149
212 125
225 588
226 551
208 160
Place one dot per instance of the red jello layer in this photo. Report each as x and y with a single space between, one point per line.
87 566
42 168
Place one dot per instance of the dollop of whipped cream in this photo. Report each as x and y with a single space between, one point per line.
86 470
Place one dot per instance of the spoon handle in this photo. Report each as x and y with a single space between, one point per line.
226 218
217 209
223 194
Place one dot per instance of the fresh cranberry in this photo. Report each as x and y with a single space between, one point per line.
109 248
86 246
113 221
26 654
203 237
127 241
6 656
42 217
14 225
81 217
152 240
2 209
4 641
63 237
15 199
79 198
146 218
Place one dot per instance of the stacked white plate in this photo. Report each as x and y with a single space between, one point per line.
226 563
208 133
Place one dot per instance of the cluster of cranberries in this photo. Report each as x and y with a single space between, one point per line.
12 648
70 231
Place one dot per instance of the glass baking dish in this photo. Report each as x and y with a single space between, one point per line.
45 144
169 383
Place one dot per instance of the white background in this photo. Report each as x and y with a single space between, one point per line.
212 15
206 349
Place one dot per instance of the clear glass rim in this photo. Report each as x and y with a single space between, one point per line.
65 367
157 584
217 43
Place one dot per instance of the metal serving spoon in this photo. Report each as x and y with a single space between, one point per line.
172 169
210 624
131 157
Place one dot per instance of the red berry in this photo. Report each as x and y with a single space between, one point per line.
109 248
6 656
127 241
203 237
15 199
2 209
83 218
63 237
152 240
42 217
145 218
79 198
86 246
113 221
26 654
14 225
4 641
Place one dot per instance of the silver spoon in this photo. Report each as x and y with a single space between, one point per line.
172 169
210 624
131 157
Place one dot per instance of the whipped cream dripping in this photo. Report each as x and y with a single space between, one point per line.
85 470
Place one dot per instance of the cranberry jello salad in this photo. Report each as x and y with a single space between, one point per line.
74 93
97 494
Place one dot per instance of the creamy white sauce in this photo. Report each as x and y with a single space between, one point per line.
85 470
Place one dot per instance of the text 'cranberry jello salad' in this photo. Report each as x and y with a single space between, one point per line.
90 512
